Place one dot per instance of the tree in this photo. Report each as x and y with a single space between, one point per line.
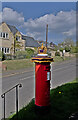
68 42
67 49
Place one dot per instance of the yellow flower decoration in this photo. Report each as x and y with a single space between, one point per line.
59 92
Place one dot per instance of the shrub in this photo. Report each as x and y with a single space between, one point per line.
21 54
67 49
29 52
77 49
61 49
9 56
0 55
55 49
74 49
57 53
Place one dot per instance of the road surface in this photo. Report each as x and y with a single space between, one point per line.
61 73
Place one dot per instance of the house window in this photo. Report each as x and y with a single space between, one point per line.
5 50
0 34
18 38
7 35
17 49
4 35
2 49
8 50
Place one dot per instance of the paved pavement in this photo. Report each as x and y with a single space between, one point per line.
61 73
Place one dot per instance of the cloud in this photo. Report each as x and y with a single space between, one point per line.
70 33
12 17
0 17
63 23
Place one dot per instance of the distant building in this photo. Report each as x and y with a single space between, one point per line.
52 45
12 40
44 43
30 42
41 41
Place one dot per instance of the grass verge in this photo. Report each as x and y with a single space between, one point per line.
75 81
18 64
64 102
60 59
25 63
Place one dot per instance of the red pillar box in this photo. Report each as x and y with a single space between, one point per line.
42 77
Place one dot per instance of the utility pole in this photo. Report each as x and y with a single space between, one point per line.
46 34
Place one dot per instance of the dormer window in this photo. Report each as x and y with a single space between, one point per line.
18 38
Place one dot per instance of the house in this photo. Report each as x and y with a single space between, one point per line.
11 40
44 43
9 35
30 42
52 45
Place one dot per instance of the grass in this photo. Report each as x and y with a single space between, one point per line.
60 59
25 63
64 102
18 64
75 81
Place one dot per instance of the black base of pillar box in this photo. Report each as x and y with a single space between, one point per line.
42 110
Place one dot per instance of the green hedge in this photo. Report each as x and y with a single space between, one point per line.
29 52
20 54
2 56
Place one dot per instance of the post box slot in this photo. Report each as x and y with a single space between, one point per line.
47 68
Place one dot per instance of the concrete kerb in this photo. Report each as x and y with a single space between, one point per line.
21 71
15 72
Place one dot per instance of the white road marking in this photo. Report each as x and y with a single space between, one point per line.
12 74
26 78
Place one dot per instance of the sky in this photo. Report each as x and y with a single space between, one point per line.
31 18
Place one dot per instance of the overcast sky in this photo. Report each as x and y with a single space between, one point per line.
31 19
